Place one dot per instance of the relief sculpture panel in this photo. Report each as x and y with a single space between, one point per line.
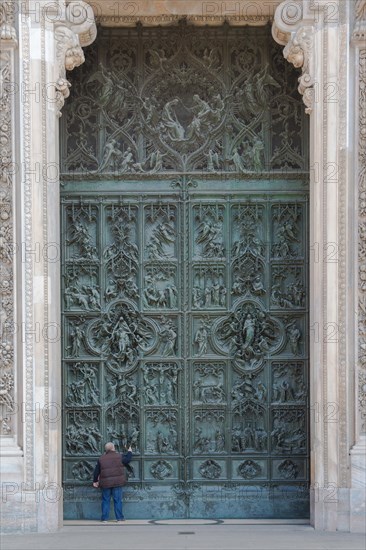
184 272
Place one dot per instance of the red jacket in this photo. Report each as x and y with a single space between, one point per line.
111 470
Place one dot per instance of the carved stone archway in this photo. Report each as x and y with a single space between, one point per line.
324 38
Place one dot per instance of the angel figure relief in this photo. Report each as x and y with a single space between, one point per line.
161 241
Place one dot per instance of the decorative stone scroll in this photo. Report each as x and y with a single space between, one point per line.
293 27
75 30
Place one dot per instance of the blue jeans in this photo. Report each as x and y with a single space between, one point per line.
116 493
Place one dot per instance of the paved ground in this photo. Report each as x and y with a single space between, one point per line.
185 535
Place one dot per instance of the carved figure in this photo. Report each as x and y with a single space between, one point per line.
76 337
288 469
170 121
201 339
168 338
249 469
210 469
219 442
294 335
161 469
196 296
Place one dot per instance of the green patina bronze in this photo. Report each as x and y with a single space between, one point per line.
184 269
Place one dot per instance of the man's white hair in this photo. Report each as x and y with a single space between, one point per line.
109 446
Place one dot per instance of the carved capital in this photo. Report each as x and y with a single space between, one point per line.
7 31
293 28
75 30
359 32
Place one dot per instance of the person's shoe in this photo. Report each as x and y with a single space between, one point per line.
104 521
120 520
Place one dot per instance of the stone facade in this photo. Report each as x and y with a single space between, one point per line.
39 41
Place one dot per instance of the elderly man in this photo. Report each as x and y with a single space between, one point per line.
110 475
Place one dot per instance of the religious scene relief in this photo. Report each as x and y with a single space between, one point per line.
82 432
83 385
209 289
288 384
249 432
208 383
287 231
288 433
209 431
201 337
120 387
122 426
168 333
121 333
83 470
161 432
184 279
160 383
160 232
249 333
160 289
248 387
209 239
200 107
81 288
288 289
81 236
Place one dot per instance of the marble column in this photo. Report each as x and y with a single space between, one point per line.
50 39
316 38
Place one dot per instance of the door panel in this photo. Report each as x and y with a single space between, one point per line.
184 276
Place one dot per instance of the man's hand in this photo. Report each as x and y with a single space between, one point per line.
96 484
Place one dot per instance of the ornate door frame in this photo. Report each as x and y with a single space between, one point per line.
317 35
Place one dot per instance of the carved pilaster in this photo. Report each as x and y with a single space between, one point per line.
8 42
358 40
362 237
75 30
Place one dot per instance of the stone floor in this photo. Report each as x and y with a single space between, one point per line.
186 535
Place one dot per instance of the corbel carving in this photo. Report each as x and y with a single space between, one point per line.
7 30
359 32
293 28
75 30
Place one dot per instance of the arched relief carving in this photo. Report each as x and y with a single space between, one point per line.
75 30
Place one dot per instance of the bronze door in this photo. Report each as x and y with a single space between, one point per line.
184 269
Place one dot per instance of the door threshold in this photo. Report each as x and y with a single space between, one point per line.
93 522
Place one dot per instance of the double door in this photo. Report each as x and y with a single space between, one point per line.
185 335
